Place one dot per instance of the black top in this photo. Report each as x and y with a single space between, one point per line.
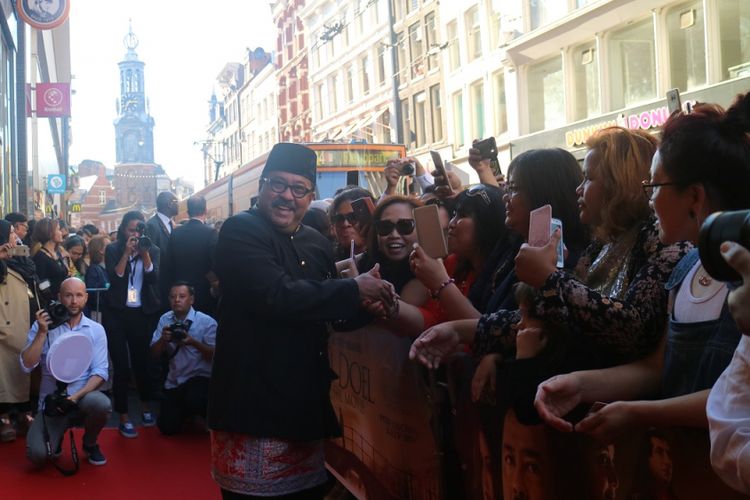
50 269
117 294
271 376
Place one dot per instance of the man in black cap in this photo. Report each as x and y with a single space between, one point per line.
269 407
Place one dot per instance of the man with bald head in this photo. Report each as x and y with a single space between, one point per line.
88 406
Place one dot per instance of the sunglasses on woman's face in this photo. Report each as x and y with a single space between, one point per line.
402 226
351 218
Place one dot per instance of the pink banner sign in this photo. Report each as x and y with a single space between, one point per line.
52 99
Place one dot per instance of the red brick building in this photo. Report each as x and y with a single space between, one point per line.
295 116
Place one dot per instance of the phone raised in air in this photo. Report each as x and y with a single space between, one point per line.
487 148
363 209
674 102
429 231
440 167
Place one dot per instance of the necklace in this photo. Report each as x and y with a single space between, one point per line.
704 280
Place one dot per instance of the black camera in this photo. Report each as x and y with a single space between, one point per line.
407 169
718 228
57 312
57 404
179 330
144 242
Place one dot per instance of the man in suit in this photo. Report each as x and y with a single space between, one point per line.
269 404
191 255
159 228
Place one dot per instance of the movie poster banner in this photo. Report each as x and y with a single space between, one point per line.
399 442
388 449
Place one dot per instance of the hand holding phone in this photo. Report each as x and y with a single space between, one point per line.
363 209
429 231
540 221
442 176
487 148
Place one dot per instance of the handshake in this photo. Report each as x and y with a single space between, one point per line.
377 296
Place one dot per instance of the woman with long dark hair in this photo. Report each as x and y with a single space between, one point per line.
131 313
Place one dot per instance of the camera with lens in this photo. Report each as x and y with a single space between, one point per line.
144 242
179 330
57 312
57 404
407 168
718 228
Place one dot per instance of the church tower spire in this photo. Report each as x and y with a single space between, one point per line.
133 125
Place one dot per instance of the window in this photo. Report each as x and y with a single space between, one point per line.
476 91
501 111
458 119
406 124
632 63
687 46
366 70
411 5
381 64
546 95
494 27
402 55
102 197
734 27
586 78
473 33
349 83
436 113
454 49
416 48
543 12
333 104
431 41
318 102
420 118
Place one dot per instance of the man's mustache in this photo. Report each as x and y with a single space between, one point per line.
282 204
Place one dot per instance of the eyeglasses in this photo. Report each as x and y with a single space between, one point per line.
278 186
648 187
511 188
402 226
479 190
351 218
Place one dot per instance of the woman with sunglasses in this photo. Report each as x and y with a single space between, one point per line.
346 225
389 243
703 165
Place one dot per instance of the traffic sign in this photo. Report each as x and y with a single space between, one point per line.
56 184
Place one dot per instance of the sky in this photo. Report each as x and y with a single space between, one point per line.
184 46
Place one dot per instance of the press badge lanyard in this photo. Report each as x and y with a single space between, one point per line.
132 291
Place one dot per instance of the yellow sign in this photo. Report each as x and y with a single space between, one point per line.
75 207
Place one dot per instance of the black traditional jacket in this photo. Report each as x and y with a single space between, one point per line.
271 375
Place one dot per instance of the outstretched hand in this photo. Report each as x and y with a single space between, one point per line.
555 398
434 344
430 272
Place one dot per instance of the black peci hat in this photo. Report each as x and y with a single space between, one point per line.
292 158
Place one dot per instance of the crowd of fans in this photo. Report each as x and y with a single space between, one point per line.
630 332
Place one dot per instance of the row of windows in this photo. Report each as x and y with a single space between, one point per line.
471 122
619 69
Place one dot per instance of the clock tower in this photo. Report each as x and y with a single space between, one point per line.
134 127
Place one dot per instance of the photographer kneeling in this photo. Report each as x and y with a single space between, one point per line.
188 337
83 404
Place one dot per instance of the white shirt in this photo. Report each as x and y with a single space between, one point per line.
166 220
728 412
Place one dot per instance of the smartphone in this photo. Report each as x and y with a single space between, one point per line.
363 209
556 224
429 231
439 166
674 103
540 221
487 148
20 251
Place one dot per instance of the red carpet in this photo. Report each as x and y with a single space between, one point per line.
149 467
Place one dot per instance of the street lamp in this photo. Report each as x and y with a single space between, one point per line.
217 158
